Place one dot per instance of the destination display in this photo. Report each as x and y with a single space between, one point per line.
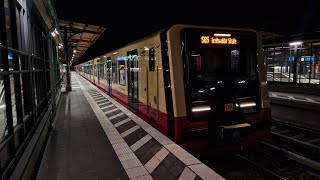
217 40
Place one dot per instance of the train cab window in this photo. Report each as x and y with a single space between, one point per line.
219 68
151 59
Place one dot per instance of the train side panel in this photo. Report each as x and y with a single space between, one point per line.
151 101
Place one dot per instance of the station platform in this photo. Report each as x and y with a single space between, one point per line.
304 101
95 137
297 109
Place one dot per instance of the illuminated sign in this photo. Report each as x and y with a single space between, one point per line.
217 40
122 57
10 56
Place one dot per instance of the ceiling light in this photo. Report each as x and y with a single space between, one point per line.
295 43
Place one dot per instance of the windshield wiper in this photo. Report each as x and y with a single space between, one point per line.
236 94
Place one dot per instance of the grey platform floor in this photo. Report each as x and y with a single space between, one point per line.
78 147
296 97
95 137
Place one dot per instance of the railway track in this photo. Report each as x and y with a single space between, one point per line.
292 152
283 164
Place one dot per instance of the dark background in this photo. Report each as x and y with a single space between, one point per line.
128 20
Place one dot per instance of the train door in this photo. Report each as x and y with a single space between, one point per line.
101 73
90 71
109 79
98 72
153 90
95 73
132 63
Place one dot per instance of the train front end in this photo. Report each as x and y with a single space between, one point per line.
226 97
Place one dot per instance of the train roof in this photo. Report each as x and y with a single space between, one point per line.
178 26
211 27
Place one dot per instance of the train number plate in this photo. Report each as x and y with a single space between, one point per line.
249 110
228 107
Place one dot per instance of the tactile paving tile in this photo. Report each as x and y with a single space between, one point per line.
152 155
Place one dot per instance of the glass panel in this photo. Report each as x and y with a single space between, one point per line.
285 65
114 72
3 114
305 63
269 63
24 62
95 70
315 70
122 72
35 81
277 57
10 61
219 70
22 99
8 22
122 77
26 93
13 100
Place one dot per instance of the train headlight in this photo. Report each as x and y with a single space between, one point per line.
201 108
246 104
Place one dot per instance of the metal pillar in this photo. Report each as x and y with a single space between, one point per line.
295 65
66 55
53 78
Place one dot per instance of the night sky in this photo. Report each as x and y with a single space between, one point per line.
127 21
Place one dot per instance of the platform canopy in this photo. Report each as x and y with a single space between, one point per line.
79 37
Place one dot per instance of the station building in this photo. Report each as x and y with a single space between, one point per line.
292 62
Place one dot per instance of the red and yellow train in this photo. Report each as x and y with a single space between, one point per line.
203 87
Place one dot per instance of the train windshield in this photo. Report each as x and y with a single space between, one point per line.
227 54
219 64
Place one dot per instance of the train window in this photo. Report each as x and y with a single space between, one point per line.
114 72
151 59
122 73
234 59
209 65
109 61
197 62
122 80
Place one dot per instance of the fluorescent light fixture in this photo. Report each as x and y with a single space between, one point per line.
247 104
115 53
241 82
201 90
222 35
295 43
74 51
53 33
219 82
201 108
212 88
104 56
